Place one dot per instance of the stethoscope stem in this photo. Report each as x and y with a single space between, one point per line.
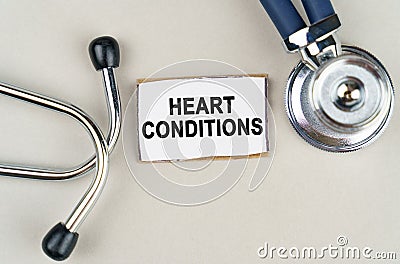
315 43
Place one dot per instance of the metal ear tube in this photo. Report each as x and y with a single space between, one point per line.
60 241
101 49
339 98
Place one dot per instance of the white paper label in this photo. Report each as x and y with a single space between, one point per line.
183 119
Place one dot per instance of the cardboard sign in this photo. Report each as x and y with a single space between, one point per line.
191 118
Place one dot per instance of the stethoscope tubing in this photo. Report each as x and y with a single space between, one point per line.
318 10
284 15
287 19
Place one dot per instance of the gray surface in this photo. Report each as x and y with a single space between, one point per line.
309 197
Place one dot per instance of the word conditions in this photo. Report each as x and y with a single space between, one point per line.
205 117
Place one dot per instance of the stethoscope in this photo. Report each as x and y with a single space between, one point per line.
60 241
338 98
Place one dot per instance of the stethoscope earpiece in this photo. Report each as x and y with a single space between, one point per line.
59 242
104 53
339 98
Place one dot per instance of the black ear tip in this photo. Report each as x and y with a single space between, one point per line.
104 52
59 242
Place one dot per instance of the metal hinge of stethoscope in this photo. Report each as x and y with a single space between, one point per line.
60 241
338 98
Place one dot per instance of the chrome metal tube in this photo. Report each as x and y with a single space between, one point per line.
114 113
113 106
101 160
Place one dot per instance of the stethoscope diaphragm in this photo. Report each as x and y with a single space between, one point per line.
342 106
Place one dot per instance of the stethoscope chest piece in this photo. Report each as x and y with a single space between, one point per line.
344 104
339 98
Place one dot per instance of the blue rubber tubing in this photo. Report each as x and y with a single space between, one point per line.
284 15
318 10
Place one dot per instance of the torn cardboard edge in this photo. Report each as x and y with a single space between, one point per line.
256 75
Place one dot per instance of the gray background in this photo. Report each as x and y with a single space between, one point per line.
308 199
